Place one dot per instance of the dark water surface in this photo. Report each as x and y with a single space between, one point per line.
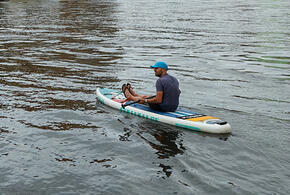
232 59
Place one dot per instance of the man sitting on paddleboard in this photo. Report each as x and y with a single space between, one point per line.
167 91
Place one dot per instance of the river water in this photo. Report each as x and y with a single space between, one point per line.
232 59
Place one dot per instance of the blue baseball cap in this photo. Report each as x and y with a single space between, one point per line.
160 65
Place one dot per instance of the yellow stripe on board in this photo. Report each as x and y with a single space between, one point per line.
203 118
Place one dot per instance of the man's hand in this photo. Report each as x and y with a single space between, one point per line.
141 100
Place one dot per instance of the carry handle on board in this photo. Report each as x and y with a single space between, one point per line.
125 105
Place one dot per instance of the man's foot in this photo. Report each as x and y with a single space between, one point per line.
131 89
124 88
125 91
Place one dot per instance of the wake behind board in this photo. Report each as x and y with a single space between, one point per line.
180 118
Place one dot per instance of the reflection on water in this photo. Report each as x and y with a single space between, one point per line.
167 144
60 126
167 147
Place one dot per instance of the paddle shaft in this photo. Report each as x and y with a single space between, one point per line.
125 105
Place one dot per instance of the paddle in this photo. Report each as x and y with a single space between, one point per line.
125 105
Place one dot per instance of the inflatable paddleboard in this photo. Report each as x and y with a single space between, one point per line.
180 118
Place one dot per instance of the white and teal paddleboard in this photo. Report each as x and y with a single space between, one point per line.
179 118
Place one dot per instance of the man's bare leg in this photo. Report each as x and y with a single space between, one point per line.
133 92
132 97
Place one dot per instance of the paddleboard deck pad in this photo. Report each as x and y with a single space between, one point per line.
180 118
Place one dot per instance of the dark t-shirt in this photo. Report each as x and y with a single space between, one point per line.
169 85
